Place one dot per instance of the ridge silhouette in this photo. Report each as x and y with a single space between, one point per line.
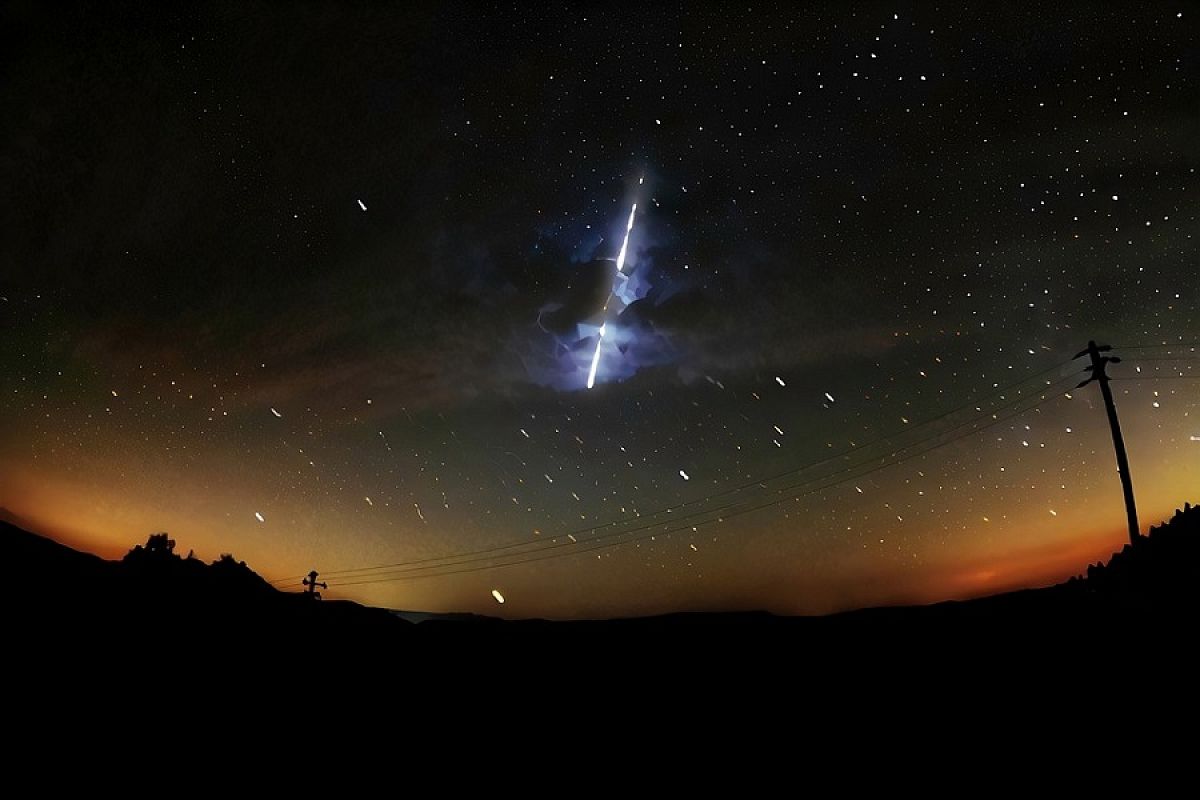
153 591
154 597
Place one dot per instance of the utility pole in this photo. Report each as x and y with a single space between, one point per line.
1097 367
311 583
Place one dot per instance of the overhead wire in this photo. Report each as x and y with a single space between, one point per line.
616 539
975 403
1149 346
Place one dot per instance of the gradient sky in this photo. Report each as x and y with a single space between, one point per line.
320 288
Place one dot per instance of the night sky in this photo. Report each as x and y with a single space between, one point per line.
321 287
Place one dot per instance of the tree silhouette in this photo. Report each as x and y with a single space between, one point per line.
160 544
159 548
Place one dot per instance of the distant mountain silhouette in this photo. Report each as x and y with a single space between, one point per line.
1154 580
156 596
14 519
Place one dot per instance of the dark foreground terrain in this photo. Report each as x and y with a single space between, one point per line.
157 642
156 600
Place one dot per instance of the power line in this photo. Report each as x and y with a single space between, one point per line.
1160 378
1139 359
1154 346
998 392
601 541
592 546
757 483
556 544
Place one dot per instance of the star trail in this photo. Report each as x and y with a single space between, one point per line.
364 290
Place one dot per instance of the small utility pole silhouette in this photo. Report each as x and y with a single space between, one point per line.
311 583
1097 367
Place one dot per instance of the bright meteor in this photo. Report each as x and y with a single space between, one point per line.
596 358
591 381
625 244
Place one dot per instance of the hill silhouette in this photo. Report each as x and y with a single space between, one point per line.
153 595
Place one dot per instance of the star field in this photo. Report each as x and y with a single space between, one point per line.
319 289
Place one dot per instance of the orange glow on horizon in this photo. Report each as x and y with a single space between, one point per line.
109 530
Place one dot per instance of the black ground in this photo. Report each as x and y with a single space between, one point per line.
155 598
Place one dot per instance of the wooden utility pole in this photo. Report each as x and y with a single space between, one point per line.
311 583
1097 367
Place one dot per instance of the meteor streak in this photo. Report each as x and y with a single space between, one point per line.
596 358
625 243
591 381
